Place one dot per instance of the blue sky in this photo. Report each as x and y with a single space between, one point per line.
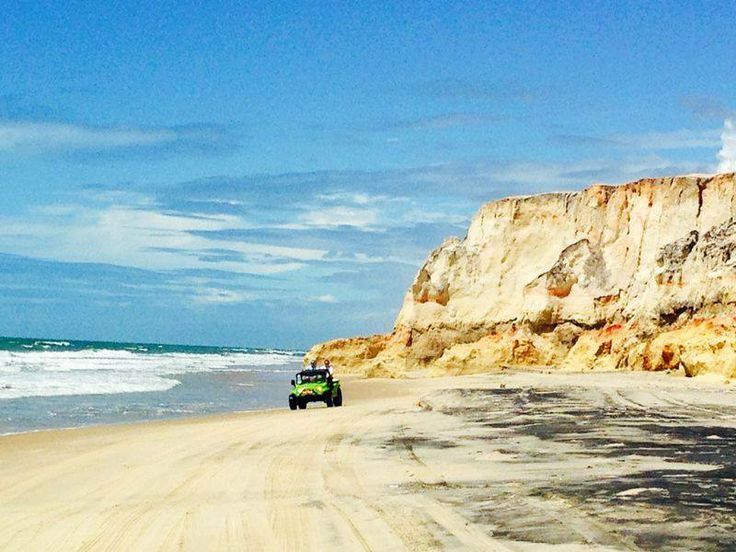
274 173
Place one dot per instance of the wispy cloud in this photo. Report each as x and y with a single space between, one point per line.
326 299
145 238
358 198
583 140
37 137
676 139
683 139
706 107
450 88
335 216
556 176
316 236
219 296
445 121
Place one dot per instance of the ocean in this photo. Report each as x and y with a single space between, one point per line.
48 384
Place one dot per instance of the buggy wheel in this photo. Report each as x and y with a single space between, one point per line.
302 405
292 402
328 402
338 398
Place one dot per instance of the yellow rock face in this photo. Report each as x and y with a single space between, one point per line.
639 276
699 347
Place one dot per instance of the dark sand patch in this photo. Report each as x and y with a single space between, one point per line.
628 468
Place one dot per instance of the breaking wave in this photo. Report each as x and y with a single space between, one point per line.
33 368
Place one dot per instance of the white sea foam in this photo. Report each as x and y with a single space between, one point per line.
96 371
53 343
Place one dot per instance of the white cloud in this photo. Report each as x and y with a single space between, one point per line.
727 155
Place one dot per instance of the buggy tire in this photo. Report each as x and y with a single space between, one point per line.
302 405
329 402
338 398
292 402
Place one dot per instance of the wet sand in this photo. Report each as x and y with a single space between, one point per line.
511 461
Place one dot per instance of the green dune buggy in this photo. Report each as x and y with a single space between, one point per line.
314 386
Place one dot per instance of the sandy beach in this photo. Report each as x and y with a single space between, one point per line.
519 461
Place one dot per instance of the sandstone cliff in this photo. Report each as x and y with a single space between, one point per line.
637 276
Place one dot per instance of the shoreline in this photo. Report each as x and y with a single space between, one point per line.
194 418
418 375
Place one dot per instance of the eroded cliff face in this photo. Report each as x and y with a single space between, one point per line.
637 276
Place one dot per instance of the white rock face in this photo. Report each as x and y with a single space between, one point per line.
534 274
